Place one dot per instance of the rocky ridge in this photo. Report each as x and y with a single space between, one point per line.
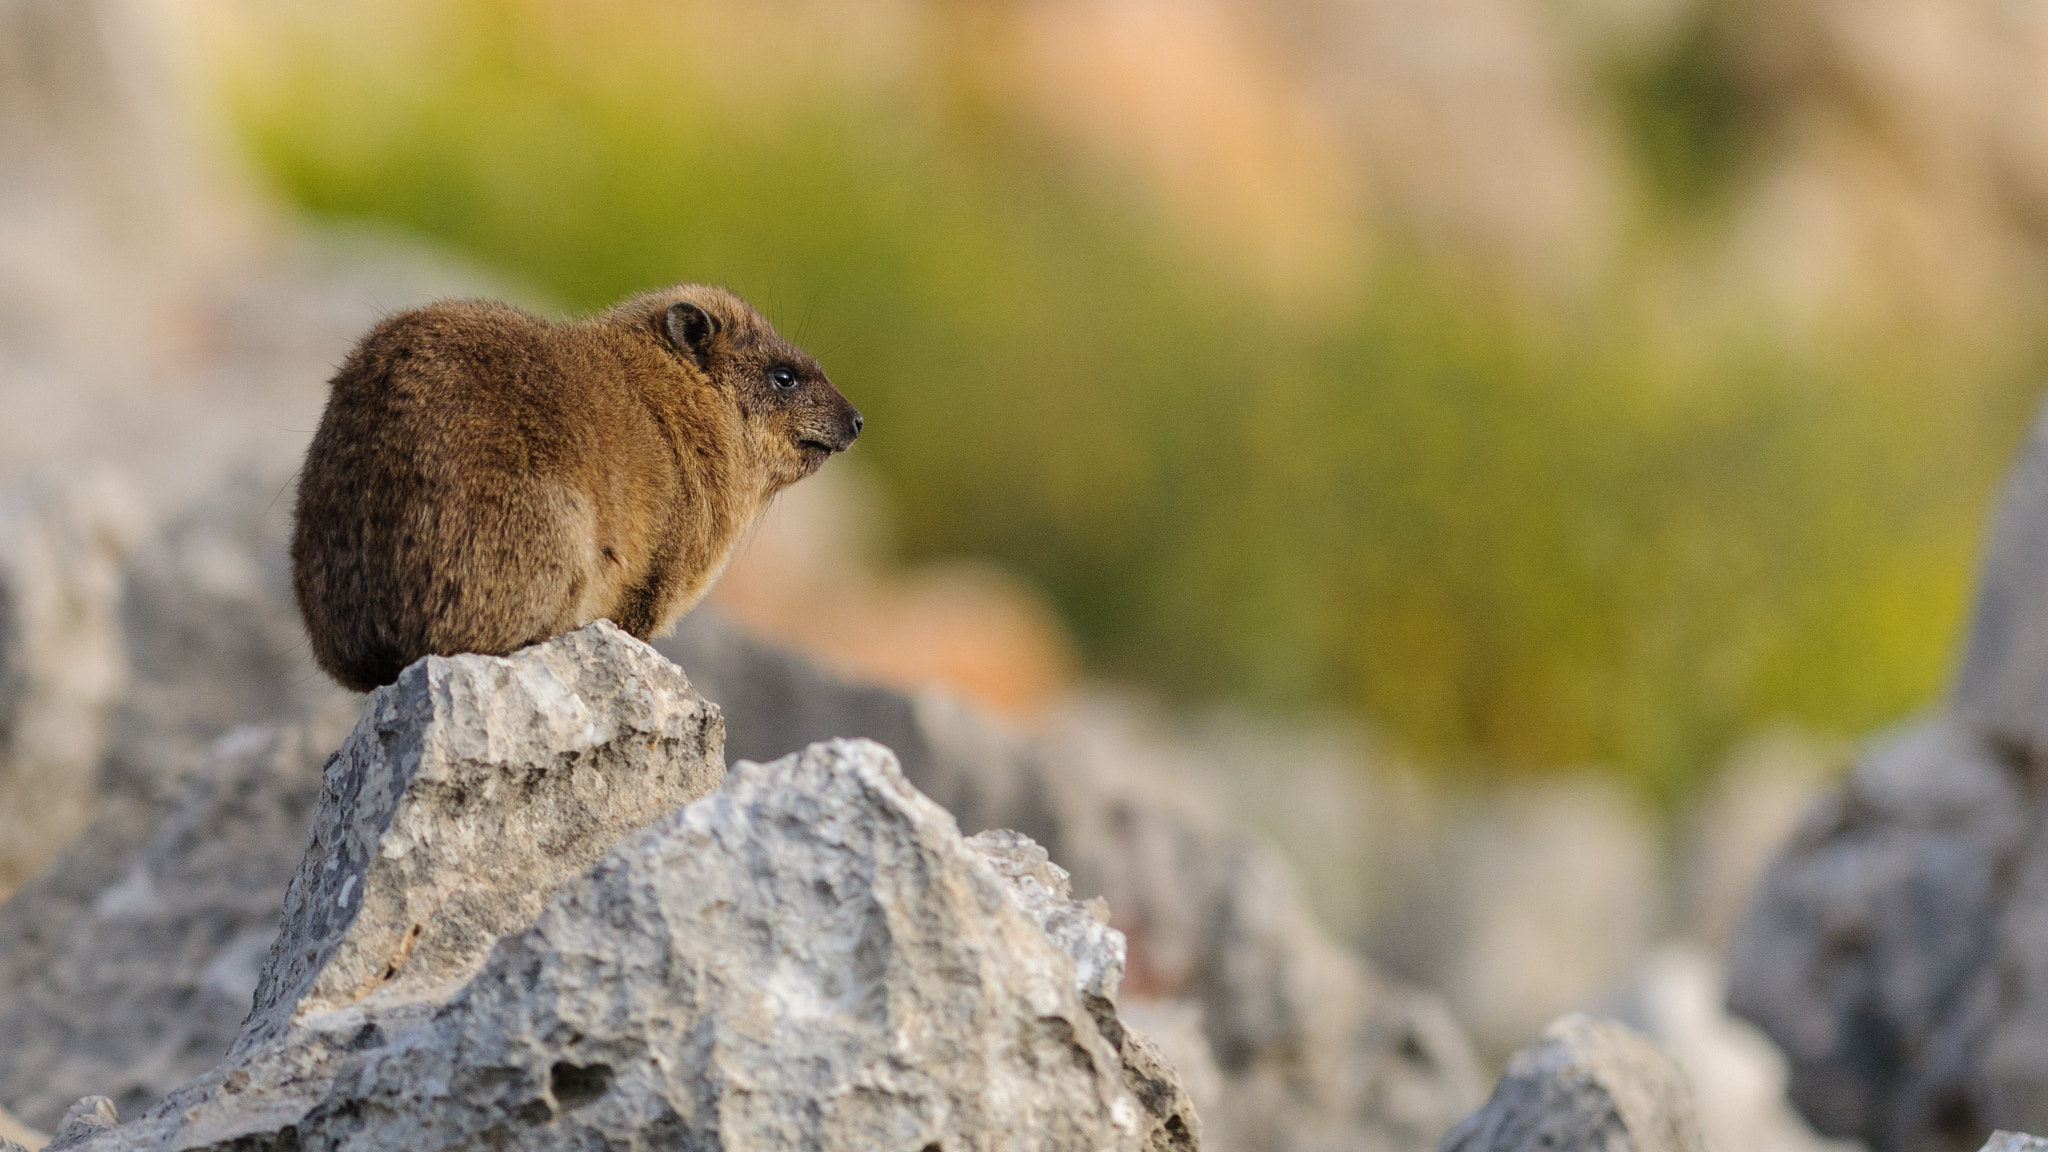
811 955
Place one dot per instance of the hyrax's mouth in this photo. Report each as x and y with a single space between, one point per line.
816 444
812 454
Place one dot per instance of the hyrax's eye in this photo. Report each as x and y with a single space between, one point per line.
783 378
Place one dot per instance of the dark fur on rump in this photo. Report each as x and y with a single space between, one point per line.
482 479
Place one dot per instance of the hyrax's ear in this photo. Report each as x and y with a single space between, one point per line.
690 328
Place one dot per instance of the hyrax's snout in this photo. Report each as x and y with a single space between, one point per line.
839 425
830 427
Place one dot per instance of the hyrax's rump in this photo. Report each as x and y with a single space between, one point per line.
482 479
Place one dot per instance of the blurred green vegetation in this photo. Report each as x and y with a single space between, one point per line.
1688 113
1515 538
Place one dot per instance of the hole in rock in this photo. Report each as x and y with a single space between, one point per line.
404 950
574 1085
533 1112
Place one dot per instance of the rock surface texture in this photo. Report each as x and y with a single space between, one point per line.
470 790
811 956
91 1116
467 793
1898 949
1312 1048
1588 1084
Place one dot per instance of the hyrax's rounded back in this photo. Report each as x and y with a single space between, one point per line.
482 479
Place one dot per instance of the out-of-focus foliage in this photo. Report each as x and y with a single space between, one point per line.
1517 532
1689 117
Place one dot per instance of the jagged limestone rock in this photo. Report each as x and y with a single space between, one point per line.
1588 1084
1081 929
812 956
129 965
467 793
89 1117
1313 1046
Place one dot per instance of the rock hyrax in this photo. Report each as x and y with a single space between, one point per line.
482 479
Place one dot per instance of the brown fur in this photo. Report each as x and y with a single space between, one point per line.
482 479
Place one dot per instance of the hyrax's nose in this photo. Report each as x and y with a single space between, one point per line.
854 423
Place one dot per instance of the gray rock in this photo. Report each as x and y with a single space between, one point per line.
811 957
468 792
1044 892
1313 1046
2002 686
90 1117
127 966
1897 949
1317 1049
2014 1142
1738 1077
63 664
1588 1084
212 636
1868 953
